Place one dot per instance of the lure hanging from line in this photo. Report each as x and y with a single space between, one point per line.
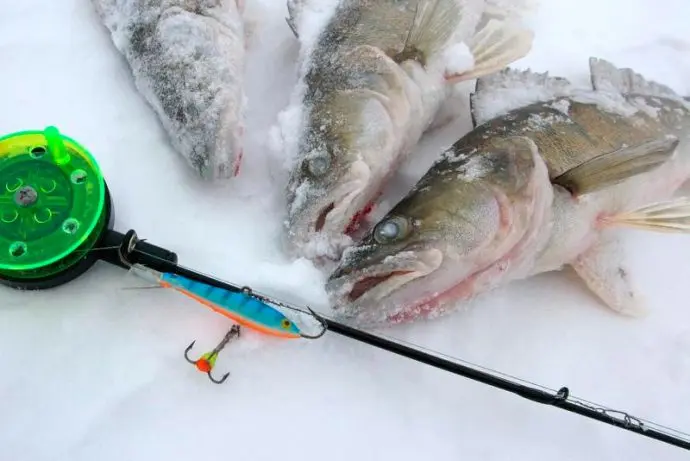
242 306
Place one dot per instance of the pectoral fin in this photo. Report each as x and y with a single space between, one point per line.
614 167
606 273
670 216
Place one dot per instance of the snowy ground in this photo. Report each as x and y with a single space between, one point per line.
92 372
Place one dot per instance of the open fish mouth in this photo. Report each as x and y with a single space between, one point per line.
352 219
368 283
337 215
324 221
362 294
321 220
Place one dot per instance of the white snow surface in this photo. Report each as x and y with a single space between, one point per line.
94 372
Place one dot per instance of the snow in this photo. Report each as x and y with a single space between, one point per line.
458 59
91 371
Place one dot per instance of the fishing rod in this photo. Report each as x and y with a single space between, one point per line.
560 399
59 223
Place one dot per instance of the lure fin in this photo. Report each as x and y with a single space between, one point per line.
671 216
496 45
614 167
139 277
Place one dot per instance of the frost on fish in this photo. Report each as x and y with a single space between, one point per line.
511 89
187 60
373 76
542 186
613 90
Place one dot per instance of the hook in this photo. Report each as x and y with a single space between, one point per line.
321 320
207 361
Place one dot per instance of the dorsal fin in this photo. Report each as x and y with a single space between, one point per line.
510 89
607 77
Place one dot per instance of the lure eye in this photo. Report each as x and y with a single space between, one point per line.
392 229
318 166
285 323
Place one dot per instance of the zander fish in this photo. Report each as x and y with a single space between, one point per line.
187 59
372 82
544 180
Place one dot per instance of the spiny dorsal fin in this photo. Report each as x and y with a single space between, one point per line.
473 109
510 89
607 77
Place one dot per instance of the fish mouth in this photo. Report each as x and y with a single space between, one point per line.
379 290
319 225
346 204
321 220
369 283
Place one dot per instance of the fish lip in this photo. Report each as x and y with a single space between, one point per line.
368 283
388 277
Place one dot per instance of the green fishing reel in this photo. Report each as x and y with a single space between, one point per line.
54 209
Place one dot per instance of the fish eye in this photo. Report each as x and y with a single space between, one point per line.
318 166
285 323
391 229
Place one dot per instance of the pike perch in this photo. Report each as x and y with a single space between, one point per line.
187 59
546 179
372 82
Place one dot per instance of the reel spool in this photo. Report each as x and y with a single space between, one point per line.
54 209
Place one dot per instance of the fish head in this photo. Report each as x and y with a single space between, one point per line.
461 227
343 160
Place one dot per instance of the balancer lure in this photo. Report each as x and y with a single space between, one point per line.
243 307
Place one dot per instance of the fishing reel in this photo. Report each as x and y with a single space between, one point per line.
57 215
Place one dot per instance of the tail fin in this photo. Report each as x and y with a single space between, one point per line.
670 216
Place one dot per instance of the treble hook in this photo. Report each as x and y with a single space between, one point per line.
207 361
321 320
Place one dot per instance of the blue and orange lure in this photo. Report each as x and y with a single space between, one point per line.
243 307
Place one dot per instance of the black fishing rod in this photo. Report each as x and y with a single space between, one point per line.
132 250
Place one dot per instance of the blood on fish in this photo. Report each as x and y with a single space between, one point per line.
358 217
238 159
238 162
